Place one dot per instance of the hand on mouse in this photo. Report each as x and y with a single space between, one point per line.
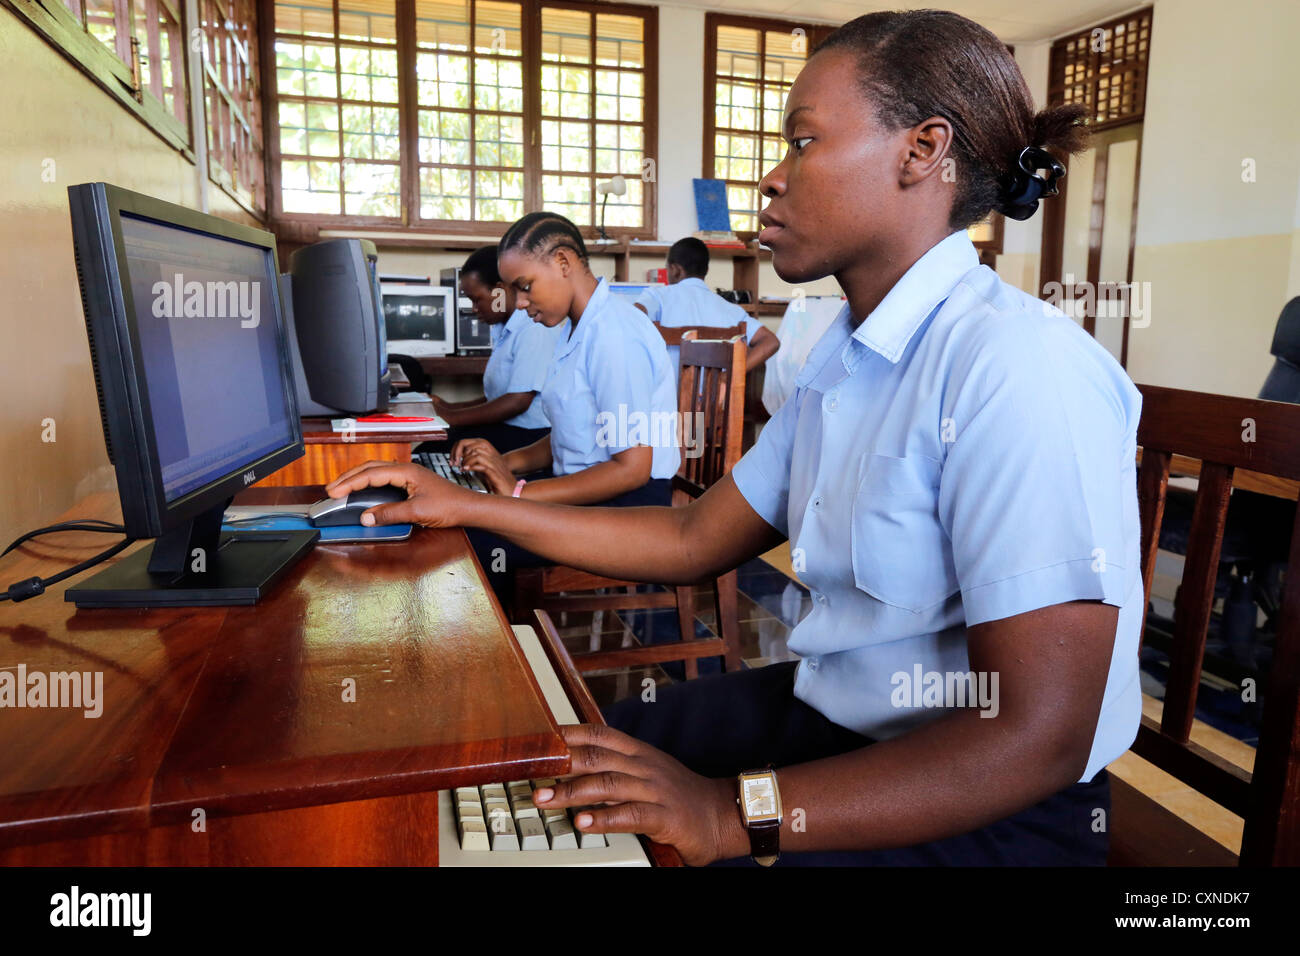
478 455
431 501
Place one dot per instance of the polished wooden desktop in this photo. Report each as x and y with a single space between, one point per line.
227 735
330 453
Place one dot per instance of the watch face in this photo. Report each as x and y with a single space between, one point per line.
759 798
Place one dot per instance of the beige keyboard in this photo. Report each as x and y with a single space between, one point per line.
499 825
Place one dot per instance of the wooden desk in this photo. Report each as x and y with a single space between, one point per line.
240 712
330 453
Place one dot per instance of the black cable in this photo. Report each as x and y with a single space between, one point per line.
77 524
22 590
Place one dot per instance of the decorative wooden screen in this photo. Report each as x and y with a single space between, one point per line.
1105 69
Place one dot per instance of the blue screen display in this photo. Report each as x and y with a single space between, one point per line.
205 314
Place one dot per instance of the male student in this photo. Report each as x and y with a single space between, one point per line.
687 301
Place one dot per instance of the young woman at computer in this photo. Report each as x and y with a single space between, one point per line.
955 475
609 372
510 414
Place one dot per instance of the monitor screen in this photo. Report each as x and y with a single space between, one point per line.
632 289
417 313
205 315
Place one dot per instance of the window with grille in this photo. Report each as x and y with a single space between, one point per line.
134 49
754 63
233 100
1105 69
435 124
337 106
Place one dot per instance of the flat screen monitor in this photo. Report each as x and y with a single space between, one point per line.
191 363
632 289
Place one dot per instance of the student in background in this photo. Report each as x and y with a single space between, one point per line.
956 471
687 301
609 394
510 415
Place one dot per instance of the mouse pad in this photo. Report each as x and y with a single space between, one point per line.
294 518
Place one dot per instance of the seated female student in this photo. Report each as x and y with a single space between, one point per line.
955 474
608 385
510 414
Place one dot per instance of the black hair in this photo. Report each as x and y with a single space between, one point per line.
541 233
482 262
916 64
692 255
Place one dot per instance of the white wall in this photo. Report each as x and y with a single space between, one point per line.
1220 253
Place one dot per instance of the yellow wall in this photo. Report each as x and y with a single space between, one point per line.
53 112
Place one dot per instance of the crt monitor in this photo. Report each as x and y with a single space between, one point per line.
196 396
418 319
335 311
473 335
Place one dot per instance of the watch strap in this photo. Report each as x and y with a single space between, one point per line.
765 842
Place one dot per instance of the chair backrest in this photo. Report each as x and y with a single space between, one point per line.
1283 382
1224 433
710 332
711 400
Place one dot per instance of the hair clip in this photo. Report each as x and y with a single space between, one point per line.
1020 198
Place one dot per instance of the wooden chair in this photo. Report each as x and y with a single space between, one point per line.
1225 434
673 335
711 390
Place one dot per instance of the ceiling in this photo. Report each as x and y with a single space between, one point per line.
1014 21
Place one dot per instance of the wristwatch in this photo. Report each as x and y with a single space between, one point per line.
760 814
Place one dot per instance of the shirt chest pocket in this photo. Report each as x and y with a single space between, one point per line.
901 554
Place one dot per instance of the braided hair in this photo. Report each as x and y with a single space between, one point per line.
540 234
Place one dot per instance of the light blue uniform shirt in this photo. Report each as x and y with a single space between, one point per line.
965 455
610 389
521 357
692 302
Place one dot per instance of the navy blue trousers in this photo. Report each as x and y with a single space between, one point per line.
500 557
501 436
726 724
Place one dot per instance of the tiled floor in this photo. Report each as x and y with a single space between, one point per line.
772 602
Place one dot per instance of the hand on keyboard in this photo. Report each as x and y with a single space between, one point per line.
478 455
440 464
649 792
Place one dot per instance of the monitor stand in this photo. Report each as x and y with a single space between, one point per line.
195 565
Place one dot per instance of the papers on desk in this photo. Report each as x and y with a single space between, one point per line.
389 423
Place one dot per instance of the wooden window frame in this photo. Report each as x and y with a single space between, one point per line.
116 71
249 160
1053 226
712 20
408 106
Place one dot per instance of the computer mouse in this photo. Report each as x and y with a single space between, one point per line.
331 512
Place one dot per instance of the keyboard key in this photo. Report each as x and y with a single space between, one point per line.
474 836
562 835
532 835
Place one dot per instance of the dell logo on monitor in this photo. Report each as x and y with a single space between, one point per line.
249 478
